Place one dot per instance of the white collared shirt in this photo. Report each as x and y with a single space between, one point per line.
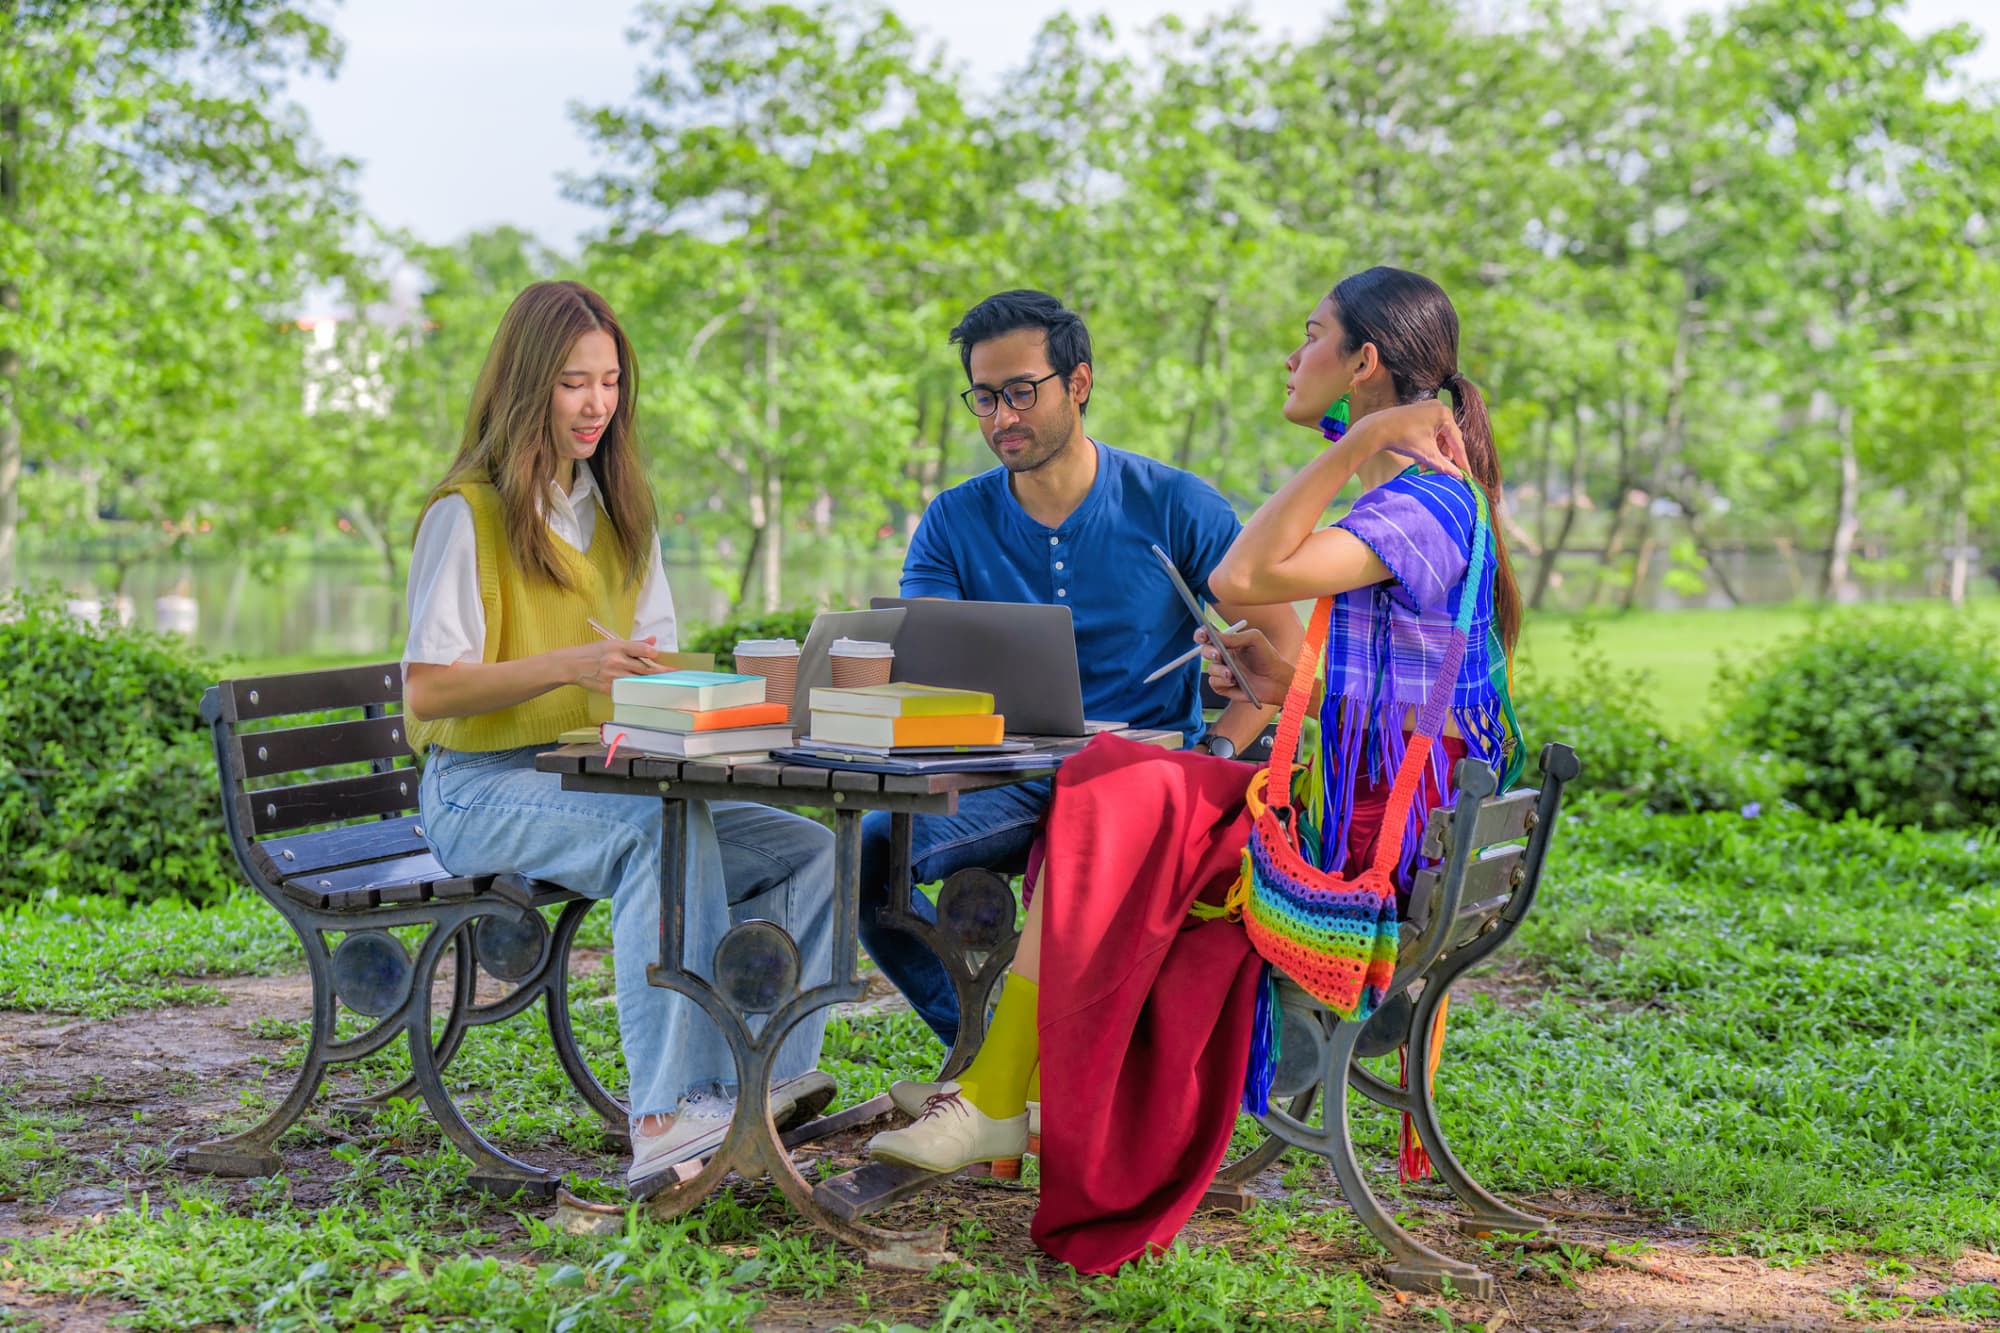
447 621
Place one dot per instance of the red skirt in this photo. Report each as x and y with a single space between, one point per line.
1144 1012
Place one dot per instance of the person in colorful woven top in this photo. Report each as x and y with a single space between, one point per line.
1135 992
542 529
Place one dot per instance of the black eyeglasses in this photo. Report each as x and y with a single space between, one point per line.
1019 395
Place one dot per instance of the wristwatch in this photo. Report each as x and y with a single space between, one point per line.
1217 744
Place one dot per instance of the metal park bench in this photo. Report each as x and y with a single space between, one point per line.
1459 914
1490 851
343 858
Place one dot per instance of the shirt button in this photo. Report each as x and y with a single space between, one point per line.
1054 540
1062 592
1058 564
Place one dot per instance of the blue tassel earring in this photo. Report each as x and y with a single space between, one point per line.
1334 424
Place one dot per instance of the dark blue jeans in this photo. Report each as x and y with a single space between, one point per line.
994 829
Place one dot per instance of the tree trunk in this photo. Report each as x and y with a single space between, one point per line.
1553 543
1671 432
1961 554
1710 554
748 569
10 358
773 482
1184 452
1839 585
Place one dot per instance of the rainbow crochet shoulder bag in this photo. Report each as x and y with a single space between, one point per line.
1337 937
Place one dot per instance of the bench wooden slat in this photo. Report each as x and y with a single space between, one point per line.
314 691
1490 874
323 745
803 776
757 775
695 770
347 846
847 780
1501 819
280 808
420 868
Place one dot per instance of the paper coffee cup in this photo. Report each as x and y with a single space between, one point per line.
858 662
776 660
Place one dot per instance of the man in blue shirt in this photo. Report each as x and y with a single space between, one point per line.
1063 521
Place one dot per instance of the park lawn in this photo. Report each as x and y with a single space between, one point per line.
1682 653
1781 1035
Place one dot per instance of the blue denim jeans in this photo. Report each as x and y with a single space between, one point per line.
993 829
492 813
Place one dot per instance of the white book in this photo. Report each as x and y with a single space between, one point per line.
694 744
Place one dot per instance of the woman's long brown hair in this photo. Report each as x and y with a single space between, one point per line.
1415 331
510 429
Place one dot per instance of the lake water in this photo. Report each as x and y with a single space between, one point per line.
329 608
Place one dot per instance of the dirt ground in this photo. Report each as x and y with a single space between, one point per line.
184 1069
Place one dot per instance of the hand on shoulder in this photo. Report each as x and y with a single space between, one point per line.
1423 432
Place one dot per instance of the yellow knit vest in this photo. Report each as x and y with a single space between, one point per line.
526 616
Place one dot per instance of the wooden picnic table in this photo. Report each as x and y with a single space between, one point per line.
756 968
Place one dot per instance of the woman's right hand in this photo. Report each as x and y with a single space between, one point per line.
595 665
1270 674
1424 432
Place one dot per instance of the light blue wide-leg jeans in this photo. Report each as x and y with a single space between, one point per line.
491 813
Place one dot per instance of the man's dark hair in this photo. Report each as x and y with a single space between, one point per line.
1068 340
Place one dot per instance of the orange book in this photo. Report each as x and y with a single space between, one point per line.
712 719
860 729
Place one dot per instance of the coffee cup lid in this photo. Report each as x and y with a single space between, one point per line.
767 648
861 648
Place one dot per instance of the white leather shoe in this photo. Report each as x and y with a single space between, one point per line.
951 1135
910 1096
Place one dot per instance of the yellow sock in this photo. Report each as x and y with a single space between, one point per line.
997 1079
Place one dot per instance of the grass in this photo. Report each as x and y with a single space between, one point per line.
1773 1034
1683 652
1781 1032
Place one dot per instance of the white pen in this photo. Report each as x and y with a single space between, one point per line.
1192 653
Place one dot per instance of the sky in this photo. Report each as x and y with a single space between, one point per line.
457 110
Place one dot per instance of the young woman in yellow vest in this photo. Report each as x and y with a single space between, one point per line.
544 522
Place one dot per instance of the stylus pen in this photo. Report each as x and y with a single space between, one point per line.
1191 654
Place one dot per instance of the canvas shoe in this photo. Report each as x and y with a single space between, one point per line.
951 1135
701 1123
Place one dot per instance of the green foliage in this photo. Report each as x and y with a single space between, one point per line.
170 217
1893 718
1775 1024
1610 717
107 780
102 956
721 639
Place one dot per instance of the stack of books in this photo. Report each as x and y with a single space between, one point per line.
708 715
900 718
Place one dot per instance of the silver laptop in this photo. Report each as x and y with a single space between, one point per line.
816 670
1021 653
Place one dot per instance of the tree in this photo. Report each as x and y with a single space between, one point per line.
161 221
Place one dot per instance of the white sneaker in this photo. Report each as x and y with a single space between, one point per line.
701 1123
910 1096
951 1135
